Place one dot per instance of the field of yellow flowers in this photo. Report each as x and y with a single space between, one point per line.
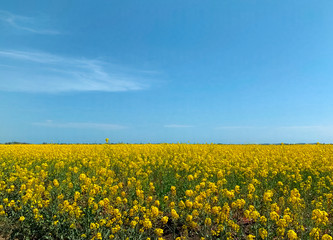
166 191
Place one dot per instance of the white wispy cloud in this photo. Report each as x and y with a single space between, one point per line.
301 127
177 126
24 23
80 125
305 127
291 132
33 71
235 127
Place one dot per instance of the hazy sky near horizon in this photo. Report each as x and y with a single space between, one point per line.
223 71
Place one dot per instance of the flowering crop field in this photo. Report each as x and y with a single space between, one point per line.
166 191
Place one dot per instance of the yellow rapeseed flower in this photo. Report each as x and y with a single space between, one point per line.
292 235
326 237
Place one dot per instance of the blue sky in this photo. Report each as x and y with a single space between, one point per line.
166 71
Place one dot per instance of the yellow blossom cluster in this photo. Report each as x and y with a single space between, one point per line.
166 191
